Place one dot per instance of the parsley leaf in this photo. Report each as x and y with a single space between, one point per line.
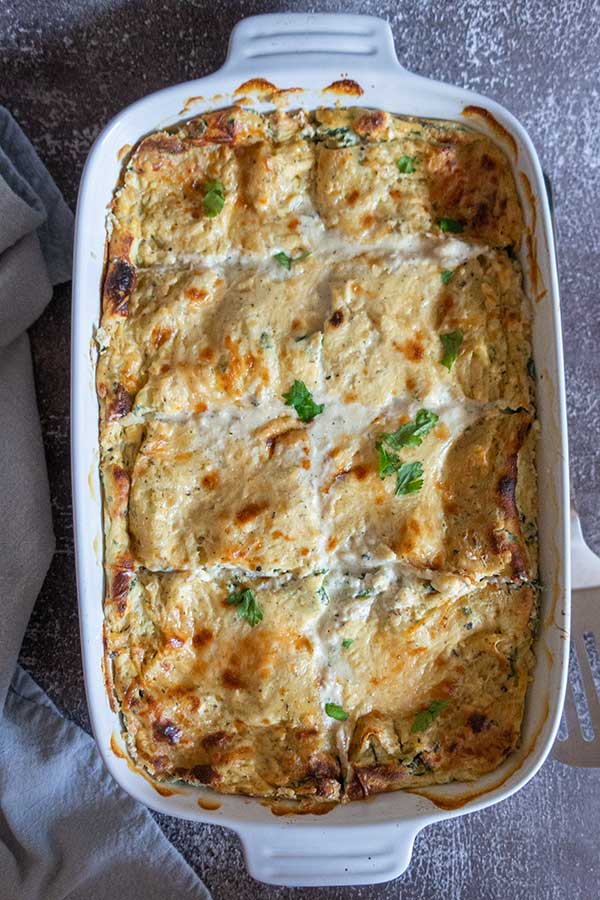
411 434
453 225
451 343
283 259
424 719
446 276
347 642
214 198
336 712
301 399
407 165
388 462
248 608
409 478
286 261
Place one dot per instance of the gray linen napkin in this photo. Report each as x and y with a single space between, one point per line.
66 829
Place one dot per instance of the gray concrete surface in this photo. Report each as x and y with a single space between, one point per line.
65 69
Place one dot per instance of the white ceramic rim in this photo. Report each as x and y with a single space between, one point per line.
358 843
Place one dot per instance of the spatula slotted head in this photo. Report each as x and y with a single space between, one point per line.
578 742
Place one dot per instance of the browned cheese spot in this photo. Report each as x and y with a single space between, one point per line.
211 480
345 86
119 405
478 722
256 86
205 774
250 512
231 679
165 730
202 637
122 574
119 284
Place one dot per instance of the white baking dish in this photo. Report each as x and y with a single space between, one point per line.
367 842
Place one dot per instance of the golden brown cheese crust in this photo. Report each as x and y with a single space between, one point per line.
382 333
464 520
349 242
202 497
457 174
471 653
193 340
158 214
213 701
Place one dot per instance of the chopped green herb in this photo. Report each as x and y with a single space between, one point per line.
214 198
411 434
407 164
366 593
248 608
451 343
301 399
340 137
265 340
336 712
424 719
286 261
283 259
388 462
446 276
453 225
409 478
347 642
323 594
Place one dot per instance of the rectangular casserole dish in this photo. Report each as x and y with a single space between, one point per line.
361 842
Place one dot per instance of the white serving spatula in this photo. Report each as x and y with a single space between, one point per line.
575 750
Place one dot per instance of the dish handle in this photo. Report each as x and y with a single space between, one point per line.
295 856
268 41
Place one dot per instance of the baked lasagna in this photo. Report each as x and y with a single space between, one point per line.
317 431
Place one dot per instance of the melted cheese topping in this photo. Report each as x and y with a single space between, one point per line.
330 263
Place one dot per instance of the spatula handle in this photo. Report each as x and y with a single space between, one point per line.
585 565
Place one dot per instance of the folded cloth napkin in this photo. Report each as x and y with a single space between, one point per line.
66 829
